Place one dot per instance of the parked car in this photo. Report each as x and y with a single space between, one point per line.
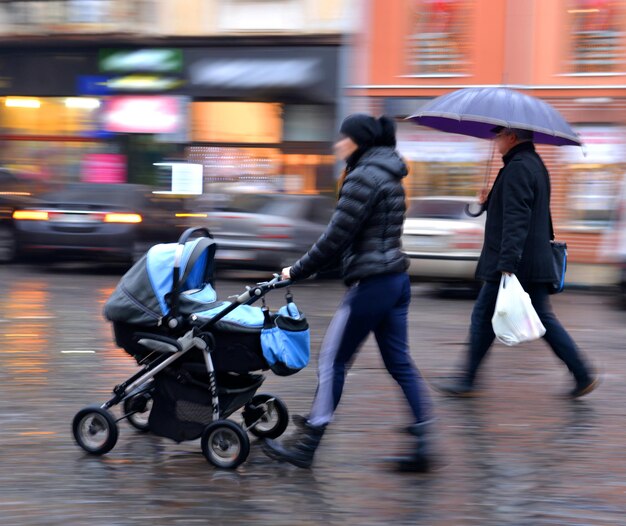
442 240
266 231
14 194
96 221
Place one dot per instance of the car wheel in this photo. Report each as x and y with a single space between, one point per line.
8 244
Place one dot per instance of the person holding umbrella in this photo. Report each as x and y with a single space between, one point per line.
365 230
517 241
518 228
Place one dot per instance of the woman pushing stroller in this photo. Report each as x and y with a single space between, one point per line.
365 231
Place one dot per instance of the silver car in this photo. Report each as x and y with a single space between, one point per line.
267 231
443 242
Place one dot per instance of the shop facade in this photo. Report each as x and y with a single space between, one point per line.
248 113
264 114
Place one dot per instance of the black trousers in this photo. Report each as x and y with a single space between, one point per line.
482 336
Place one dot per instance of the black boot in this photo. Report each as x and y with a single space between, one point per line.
420 460
300 421
299 449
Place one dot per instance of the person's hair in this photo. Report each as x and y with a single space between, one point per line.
522 135
387 136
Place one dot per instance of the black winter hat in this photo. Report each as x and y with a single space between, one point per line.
363 129
387 135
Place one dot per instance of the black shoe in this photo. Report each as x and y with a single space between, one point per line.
421 460
459 387
584 388
299 450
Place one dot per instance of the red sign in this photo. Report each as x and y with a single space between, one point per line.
143 114
103 168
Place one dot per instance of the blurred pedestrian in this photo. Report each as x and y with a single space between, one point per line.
365 230
517 241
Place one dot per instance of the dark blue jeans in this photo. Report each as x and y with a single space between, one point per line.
482 335
379 304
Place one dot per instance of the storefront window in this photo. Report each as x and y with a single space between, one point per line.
593 180
57 161
224 164
47 139
597 35
440 37
440 163
75 15
308 123
250 143
236 122
264 169
73 116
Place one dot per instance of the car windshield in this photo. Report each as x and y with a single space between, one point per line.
437 209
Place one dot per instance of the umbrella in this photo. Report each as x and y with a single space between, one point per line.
476 111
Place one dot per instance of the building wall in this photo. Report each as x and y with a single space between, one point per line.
174 17
563 51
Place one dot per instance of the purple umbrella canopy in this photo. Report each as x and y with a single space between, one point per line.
476 111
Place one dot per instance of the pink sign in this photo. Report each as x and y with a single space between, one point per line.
103 168
143 114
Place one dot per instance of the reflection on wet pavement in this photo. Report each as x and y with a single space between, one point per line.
518 455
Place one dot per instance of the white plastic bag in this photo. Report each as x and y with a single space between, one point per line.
515 319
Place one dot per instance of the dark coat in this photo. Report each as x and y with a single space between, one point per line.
366 228
517 230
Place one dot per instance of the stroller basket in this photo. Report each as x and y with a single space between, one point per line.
183 406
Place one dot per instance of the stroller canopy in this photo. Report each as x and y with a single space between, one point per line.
147 292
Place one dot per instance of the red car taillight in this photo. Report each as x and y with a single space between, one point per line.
468 239
275 232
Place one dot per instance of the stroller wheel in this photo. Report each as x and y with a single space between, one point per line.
266 416
225 444
138 409
95 430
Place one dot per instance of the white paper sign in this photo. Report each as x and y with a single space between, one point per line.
186 178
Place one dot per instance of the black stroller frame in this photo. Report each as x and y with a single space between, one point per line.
225 443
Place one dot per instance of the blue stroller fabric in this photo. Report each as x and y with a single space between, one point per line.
286 341
243 317
142 297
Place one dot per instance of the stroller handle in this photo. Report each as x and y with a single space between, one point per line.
275 283
256 292
251 295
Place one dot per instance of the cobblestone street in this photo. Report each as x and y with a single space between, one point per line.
520 454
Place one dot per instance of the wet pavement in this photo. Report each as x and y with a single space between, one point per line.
518 455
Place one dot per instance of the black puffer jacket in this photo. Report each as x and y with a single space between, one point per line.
366 227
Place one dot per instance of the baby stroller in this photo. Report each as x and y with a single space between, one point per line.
198 355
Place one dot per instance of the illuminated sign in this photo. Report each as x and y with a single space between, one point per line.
303 73
257 73
137 114
103 168
103 85
144 60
